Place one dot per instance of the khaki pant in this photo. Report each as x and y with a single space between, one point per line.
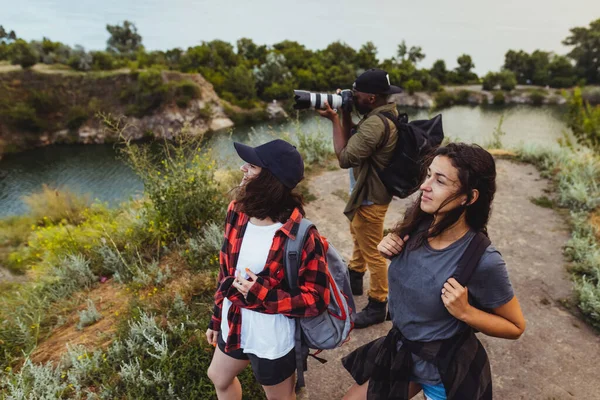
367 231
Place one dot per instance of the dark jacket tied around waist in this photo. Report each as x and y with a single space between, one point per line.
461 360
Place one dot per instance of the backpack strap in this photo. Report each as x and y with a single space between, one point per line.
291 263
470 258
386 134
293 252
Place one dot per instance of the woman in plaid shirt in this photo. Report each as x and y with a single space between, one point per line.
253 319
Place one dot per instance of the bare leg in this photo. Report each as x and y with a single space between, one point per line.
282 391
223 372
359 392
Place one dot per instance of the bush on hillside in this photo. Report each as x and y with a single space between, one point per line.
55 205
23 54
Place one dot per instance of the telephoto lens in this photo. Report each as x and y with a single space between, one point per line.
304 99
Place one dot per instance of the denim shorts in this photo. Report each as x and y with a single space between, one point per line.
437 392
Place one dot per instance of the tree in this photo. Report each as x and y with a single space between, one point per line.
274 74
402 50
539 62
463 71
23 54
465 64
338 53
367 56
241 83
123 39
439 71
247 49
519 62
7 36
295 54
586 51
561 73
415 54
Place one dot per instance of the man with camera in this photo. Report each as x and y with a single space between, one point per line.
363 149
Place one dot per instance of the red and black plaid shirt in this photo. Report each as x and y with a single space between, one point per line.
270 294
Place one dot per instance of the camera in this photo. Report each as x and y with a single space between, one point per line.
304 99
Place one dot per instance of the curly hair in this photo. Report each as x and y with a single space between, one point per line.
266 197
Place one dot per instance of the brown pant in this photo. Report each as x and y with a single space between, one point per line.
367 231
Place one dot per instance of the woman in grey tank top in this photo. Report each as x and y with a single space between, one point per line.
432 346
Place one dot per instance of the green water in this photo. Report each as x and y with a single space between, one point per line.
96 170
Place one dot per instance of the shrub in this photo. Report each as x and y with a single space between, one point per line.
462 97
537 97
413 86
184 92
88 316
26 313
23 54
584 121
444 99
44 102
315 147
203 248
179 181
76 117
55 205
102 61
507 80
490 81
496 142
499 98
34 382
148 93
577 174
80 60
206 112
23 116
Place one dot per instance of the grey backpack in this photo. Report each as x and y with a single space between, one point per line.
332 327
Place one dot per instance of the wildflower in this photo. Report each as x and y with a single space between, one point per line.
116 313
80 357
155 290
8 369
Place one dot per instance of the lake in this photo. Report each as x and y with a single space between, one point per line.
97 170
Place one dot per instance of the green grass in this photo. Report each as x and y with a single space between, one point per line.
576 175
542 201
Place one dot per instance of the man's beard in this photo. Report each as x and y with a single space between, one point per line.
362 109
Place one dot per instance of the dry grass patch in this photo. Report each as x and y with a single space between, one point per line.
111 300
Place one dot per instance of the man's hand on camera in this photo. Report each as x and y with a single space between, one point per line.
328 113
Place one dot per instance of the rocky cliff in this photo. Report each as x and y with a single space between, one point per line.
38 109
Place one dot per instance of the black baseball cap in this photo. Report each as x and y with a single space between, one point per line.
375 81
278 156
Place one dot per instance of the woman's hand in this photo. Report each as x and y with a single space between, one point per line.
242 284
456 299
211 337
391 245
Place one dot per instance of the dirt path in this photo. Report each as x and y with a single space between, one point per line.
557 356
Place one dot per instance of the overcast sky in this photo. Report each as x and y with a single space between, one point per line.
444 29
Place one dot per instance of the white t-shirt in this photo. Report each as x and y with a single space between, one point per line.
269 336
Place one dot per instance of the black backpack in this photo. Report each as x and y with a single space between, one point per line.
416 141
